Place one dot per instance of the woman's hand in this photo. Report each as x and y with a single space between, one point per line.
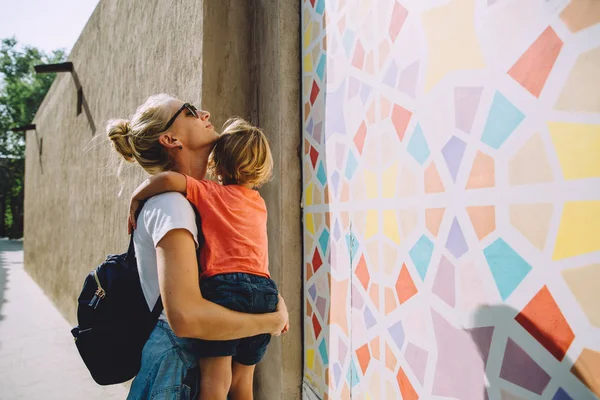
283 319
131 222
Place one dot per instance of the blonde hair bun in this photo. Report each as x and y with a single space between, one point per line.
119 132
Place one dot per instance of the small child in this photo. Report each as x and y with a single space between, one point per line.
234 259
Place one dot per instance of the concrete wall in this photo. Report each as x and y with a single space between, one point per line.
225 56
451 199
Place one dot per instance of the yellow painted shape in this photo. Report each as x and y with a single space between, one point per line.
583 282
308 64
390 181
372 224
390 226
578 230
371 183
310 359
451 40
310 223
308 35
308 196
578 149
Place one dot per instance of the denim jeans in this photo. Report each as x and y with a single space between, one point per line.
169 368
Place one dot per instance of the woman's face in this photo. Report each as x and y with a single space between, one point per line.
193 132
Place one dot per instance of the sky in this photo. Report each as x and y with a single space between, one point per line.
46 24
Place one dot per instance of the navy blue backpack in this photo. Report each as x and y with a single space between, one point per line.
114 319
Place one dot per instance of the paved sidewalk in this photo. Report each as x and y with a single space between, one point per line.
38 358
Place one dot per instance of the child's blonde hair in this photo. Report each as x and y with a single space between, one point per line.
242 155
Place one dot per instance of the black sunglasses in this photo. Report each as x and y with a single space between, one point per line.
186 106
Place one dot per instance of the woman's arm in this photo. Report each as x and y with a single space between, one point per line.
188 313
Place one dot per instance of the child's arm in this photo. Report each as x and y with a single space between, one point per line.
160 183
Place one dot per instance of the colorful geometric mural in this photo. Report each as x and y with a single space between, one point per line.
451 199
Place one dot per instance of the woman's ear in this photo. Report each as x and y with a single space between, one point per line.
167 140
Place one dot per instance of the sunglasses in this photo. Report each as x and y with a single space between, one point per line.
186 106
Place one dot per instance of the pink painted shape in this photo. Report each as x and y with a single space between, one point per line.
416 357
398 18
534 66
466 102
321 305
483 339
444 284
460 370
519 368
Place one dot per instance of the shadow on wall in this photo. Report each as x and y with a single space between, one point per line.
508 356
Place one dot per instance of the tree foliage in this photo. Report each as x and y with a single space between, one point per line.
21 93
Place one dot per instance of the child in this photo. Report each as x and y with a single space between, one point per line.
234 258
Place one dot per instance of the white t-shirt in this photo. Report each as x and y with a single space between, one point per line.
160 214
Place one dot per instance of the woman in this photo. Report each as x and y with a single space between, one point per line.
166 134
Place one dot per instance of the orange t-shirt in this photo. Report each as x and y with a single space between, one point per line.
234 223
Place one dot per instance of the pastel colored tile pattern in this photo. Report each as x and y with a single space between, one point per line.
434 134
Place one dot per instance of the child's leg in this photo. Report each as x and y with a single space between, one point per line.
215 377
241 381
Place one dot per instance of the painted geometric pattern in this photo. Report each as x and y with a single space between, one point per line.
451 176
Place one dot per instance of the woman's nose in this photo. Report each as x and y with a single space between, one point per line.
204 115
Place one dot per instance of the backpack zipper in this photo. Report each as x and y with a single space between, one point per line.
100 293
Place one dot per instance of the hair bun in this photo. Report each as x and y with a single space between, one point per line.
119 132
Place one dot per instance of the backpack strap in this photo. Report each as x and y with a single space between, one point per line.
158 307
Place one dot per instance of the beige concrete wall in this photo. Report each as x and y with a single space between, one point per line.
230 57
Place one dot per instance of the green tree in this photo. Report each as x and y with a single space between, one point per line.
21 93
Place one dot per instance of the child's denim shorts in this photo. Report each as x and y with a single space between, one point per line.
244 293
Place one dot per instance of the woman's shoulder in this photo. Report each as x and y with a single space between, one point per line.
170 205
166 200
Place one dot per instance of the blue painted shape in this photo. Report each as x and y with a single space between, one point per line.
417 147
420 254
397 333
351 166
323 352
561 395
503 119
348 41
309 126
324 240
365 91
352 244
370 320
508 268
337 373
321 67
352 376
456 243
321 175
313 292
320 7
391 76
453 153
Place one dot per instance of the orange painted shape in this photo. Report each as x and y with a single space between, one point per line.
433 219
390 301
384 52
534 66
542 318
359 56
386 107
342 24
345 195
406 388
400 119
362 272
483 219
338 308
374 295
328 220
587 370
308 309
405 287
370 64
309 271
581 14
306 147
390 358
359 138
433 182
306 110
375 348
371 117
483 173
364 357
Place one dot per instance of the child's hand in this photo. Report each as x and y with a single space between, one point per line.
131 222
283 319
